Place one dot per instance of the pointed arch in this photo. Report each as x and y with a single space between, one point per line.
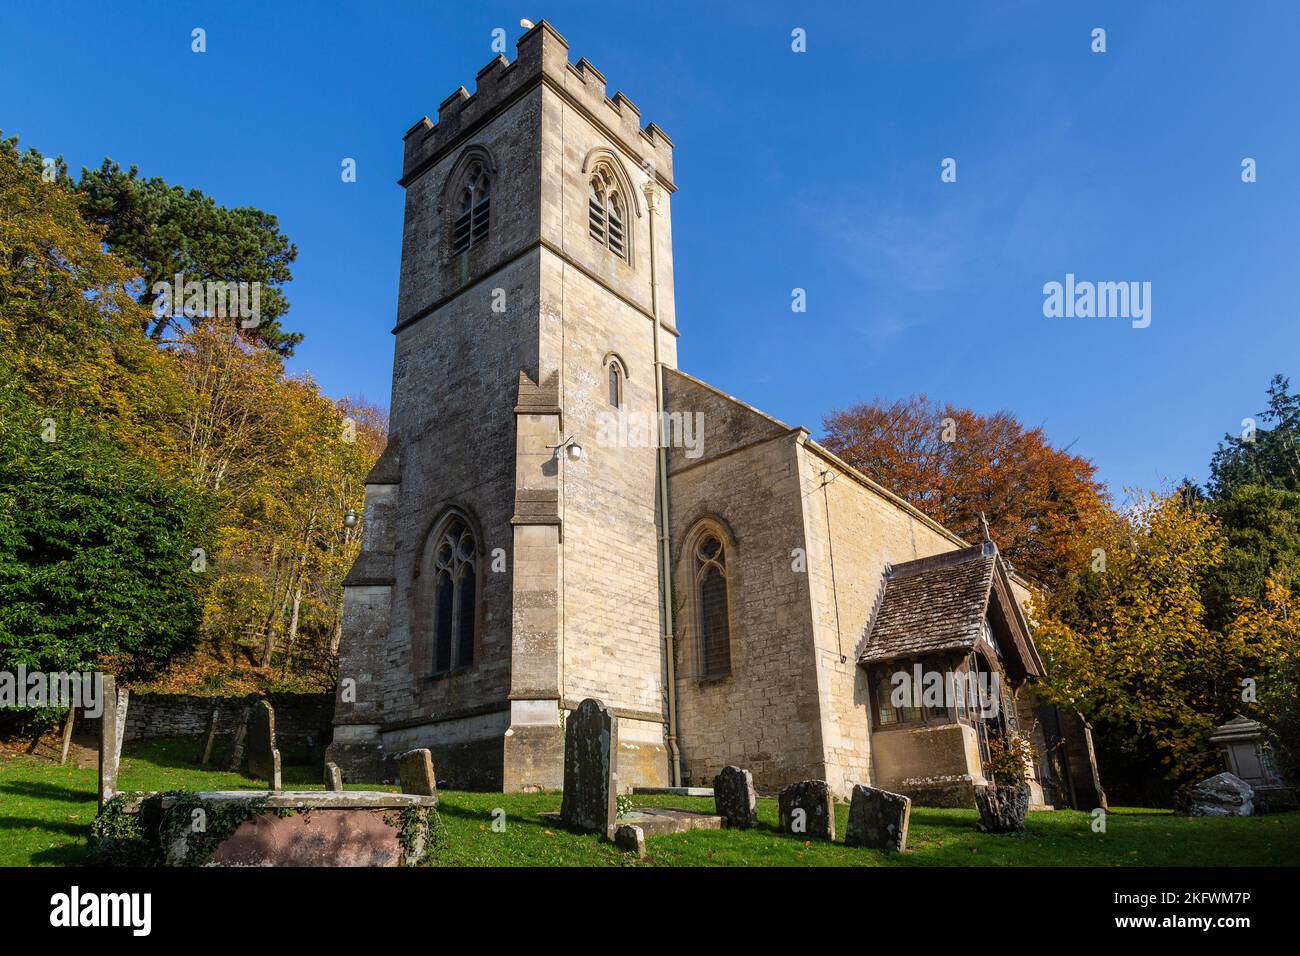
448 593
611 203
603 155
616 374
467 200
710 553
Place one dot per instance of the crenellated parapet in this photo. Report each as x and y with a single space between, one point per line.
543 57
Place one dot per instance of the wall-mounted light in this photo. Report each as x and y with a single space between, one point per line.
350 518
567 447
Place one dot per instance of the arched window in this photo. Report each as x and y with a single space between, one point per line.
615 379
455 562
712 611
607 212
615 385
473 203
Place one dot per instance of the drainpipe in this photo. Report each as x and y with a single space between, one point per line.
665 564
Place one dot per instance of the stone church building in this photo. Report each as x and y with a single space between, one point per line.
519 526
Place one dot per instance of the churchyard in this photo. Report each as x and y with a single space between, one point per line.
46 811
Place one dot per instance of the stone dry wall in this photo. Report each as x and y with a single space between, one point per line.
301 720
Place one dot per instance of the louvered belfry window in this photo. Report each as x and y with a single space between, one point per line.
607 222
471 226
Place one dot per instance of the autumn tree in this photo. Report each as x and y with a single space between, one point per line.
97 528
122 453
286 463
955 463
158 230
1125 642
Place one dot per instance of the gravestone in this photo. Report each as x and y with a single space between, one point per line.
241 735
734 798
632 839
807 810
112 725
67 735
415 771
878 819
1002 808
590 775
263 757
333 777
212 738
1223 795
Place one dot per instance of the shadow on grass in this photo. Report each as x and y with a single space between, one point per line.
185 753
68 828
70 854
46 791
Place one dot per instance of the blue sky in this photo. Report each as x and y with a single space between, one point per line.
817 170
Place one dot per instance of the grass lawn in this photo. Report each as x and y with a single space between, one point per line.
46 810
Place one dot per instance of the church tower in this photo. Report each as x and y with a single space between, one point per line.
505 576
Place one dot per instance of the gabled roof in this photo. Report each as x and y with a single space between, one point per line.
940 603
932 604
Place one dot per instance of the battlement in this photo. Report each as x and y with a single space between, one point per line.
542 56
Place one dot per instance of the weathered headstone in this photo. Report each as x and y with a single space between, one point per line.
590 802
878 819
632 839
112 725
1223 795
263 757
807 810
67 735
241 736
415 770
333 776
734 798
1002 808
212 738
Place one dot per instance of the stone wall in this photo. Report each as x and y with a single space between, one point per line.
764 714
855 528
301 720
935 766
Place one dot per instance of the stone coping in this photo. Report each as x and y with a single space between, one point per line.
307 799
657 821
654 821
676 791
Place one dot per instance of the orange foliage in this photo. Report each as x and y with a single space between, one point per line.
954 463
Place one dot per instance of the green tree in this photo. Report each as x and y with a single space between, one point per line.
1262 456
165 230
1280 706
159 230
1261 529
96 550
